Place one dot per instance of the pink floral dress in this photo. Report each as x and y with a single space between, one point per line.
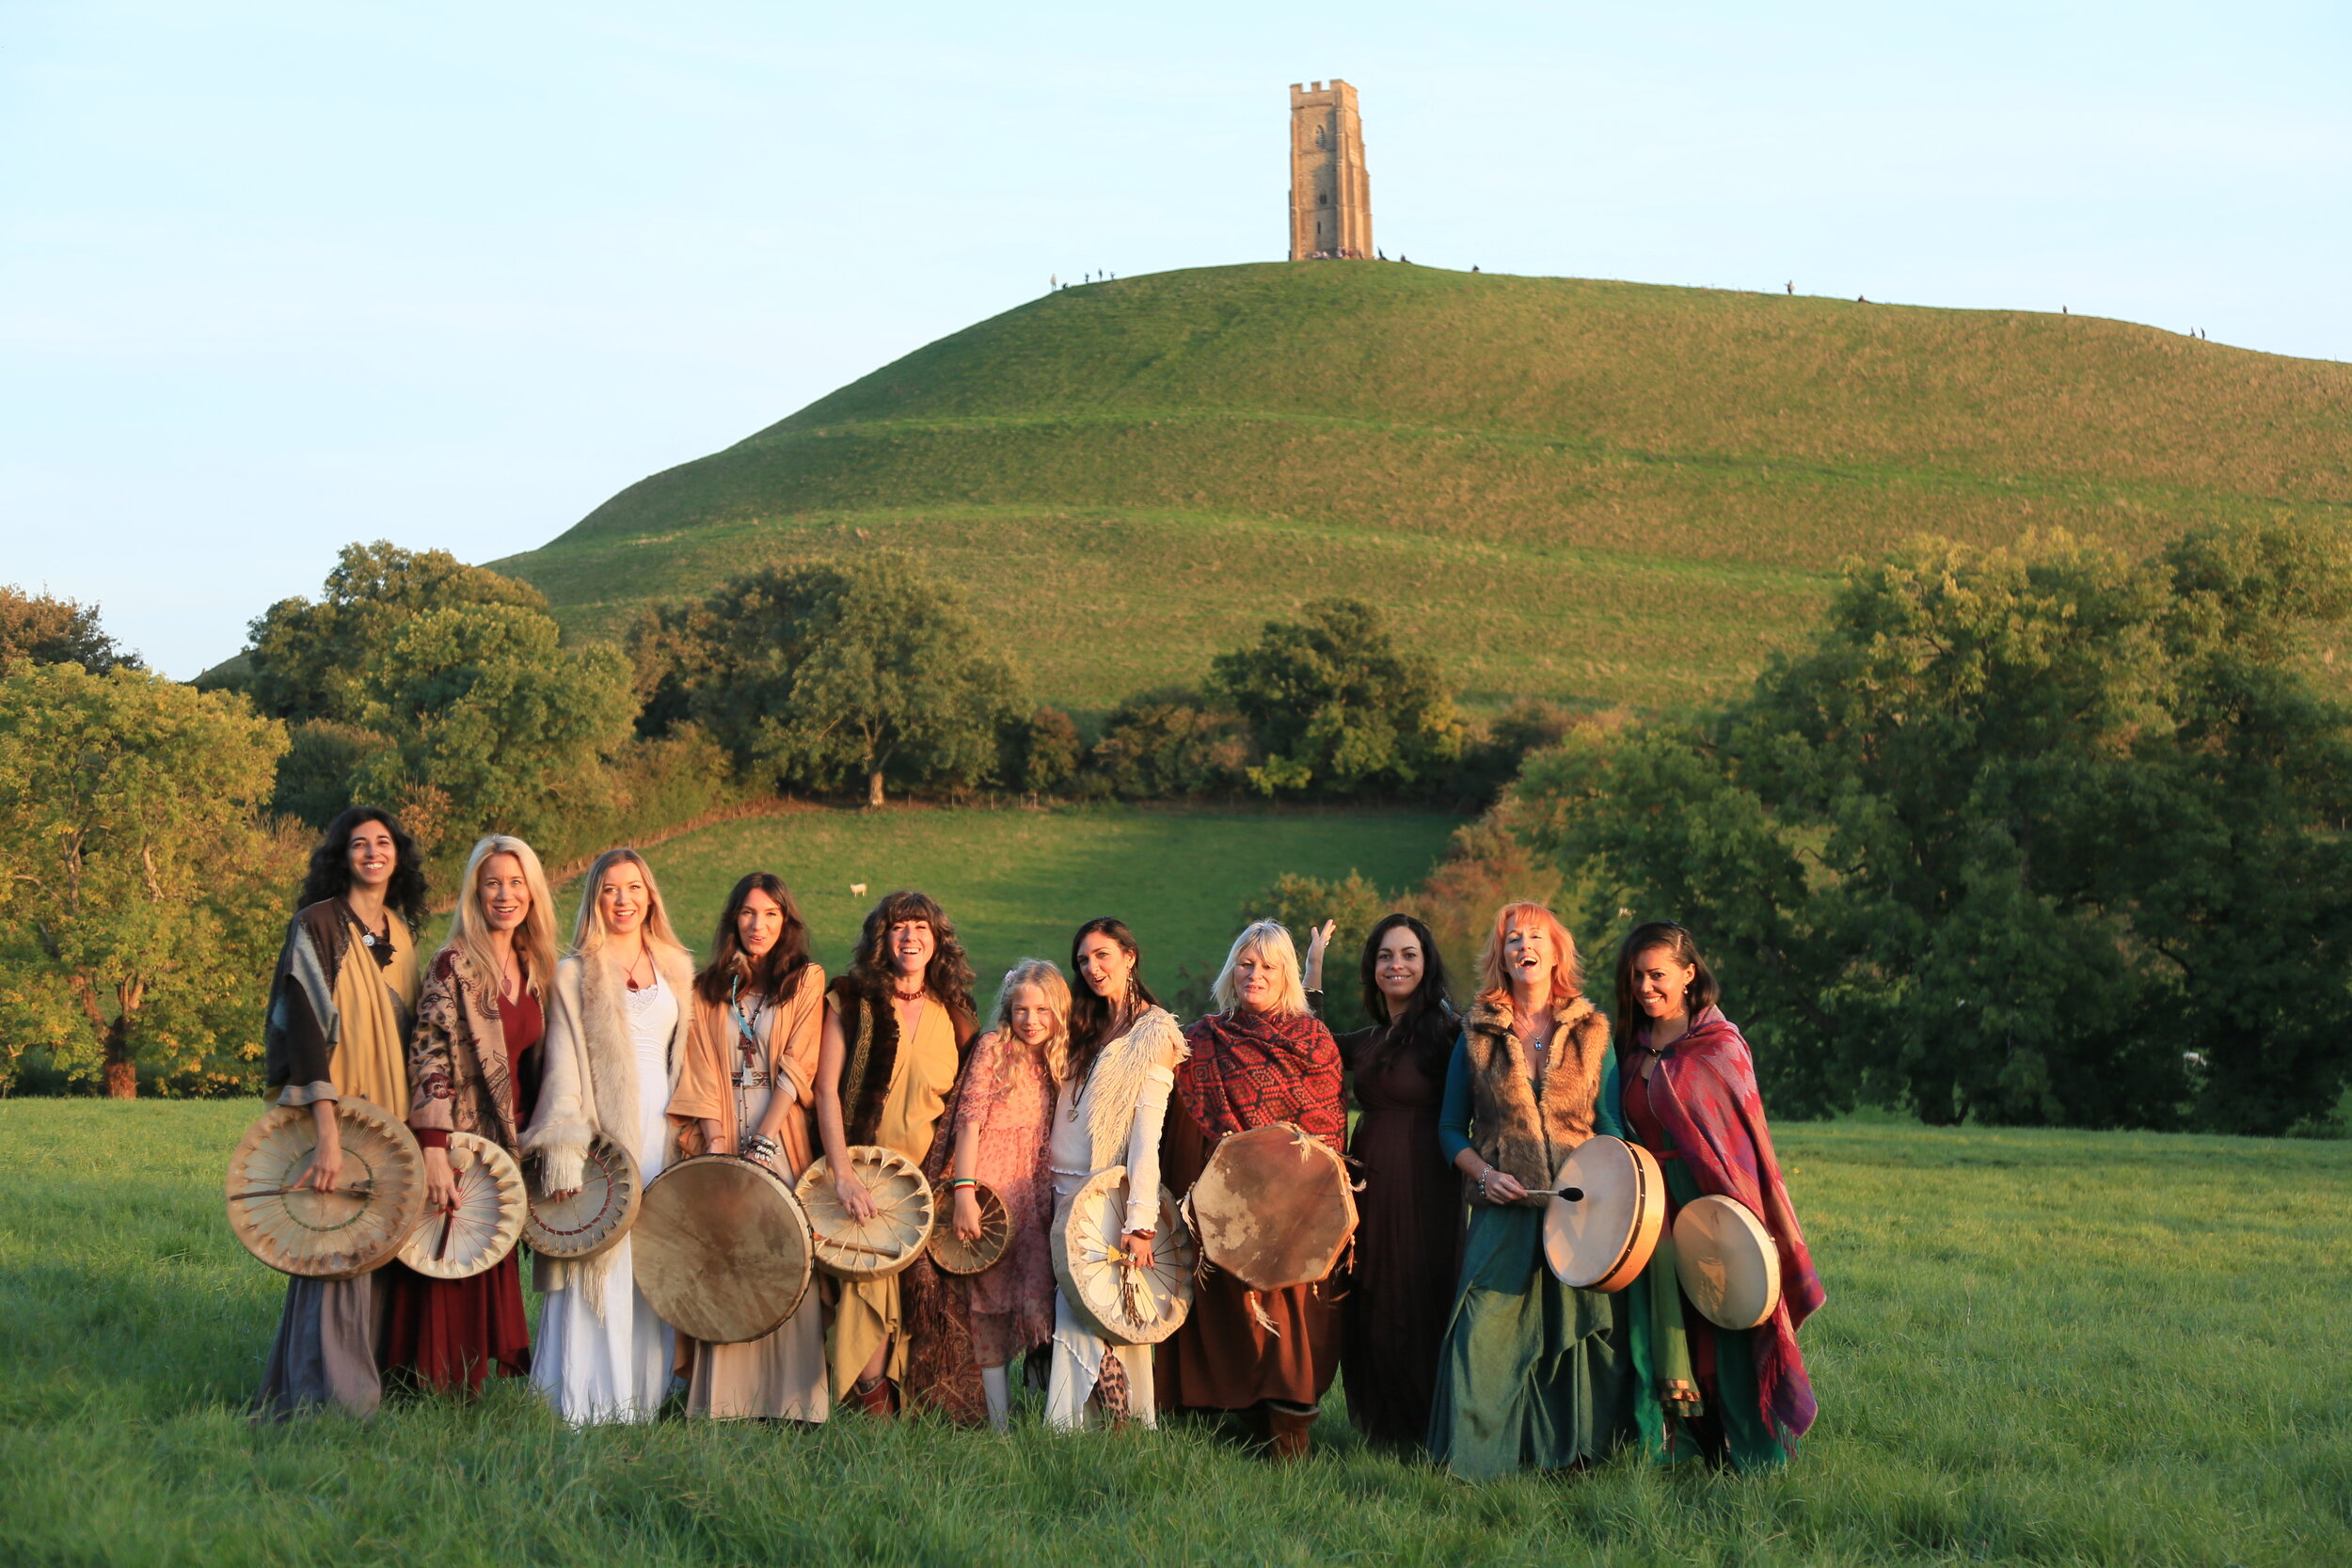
1009 1094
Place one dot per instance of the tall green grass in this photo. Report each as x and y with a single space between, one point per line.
2058 1347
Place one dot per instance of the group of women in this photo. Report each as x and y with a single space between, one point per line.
1450 1332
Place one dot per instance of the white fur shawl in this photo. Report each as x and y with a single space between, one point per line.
1116 1082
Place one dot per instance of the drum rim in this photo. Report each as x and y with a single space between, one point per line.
1338 1163
944 1234
1172 1224
535 1164
793 1206
405 1219
820 1169
1649 1185
487 1150
1751 1224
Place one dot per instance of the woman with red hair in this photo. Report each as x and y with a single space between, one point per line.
1535 1375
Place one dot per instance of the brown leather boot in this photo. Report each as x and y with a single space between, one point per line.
875 1397
1286 1434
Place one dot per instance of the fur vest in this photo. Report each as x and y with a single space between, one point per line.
1524 1127
869 1032
1116 1083
591 1085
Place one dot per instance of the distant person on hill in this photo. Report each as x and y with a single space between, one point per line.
1687 1088
1792 285
340 1007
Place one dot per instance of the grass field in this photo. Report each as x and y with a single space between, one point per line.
1597 491
1018 882
2040 1347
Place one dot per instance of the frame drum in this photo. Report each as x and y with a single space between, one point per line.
1730 1269
1604 1236
721 1248
954 1254
486 1223
336 1235
879 1247
1126 1306
593 1219
1273 1208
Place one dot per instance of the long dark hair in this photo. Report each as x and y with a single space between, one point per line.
1091 1017
948 976
329 876
778 970
1421 1021
1702 993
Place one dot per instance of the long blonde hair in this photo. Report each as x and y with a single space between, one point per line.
534 940
588 933
1269 939
1041 973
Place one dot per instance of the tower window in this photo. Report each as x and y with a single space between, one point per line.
1319 141
1322 198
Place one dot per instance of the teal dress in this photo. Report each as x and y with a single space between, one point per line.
1535 1375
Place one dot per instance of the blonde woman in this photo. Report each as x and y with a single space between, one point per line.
1263 1057
474 1067
1114 1080
1535 1375
617 1046
1001 1121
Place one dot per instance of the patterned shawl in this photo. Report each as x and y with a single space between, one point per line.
1248 1070
1705 1093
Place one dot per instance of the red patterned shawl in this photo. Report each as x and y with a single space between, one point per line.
1249 1069
1705 1093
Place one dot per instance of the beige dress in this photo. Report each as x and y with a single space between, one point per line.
867 1312
782 1375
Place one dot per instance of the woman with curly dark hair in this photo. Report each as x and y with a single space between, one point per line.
897 1028
341 1004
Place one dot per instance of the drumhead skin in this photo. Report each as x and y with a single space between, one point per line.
721 1248
954 1254
1125 1305
879 1247
486 1223
337 1235
594 1219
1602 1240
1730 1269
1273 1208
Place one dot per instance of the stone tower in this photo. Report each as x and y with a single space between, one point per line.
1330 191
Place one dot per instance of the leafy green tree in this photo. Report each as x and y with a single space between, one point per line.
313 659
1039 754
1336 706
1170 742
494 727
141 893
39 629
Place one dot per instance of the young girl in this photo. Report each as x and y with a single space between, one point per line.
1001 1140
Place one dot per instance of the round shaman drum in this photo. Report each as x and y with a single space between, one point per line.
1730 1269
486 1223
593 1219
1274 1206
335 1235
1603 1236
956 1255
721 1248
893 1238
1126 1305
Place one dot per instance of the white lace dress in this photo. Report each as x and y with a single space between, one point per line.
1079 1350
603 1354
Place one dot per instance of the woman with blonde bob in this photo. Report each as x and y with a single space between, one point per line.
1535 1375
616 1045
1261 1059
474 1066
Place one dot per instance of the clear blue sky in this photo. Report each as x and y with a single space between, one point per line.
275 276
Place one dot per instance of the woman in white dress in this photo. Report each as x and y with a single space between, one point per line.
616 1043
1114 1079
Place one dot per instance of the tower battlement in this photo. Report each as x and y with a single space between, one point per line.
1330 188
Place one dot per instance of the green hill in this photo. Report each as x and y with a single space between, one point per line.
1612 492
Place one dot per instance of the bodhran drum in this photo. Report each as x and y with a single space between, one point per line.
334 1235
1604 1235
1127 1306
950 1251
1730 1269
721 1248
893 1238
487 1222
1273 1208
593 1219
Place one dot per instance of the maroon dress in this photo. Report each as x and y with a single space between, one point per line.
447 1334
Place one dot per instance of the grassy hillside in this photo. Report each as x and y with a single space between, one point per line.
2040 1347
1609 491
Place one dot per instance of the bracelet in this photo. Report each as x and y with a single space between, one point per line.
963 1181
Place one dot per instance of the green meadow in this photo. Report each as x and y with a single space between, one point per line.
1598 492
2059 1348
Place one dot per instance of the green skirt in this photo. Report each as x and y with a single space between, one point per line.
1534 1376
